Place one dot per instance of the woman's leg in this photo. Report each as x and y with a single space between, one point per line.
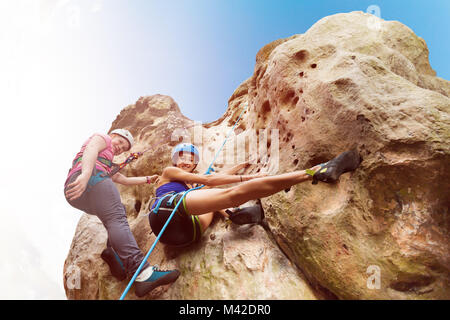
203 201
106 204
103 200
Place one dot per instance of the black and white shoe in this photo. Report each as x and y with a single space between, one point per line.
156 279
246 215
332 170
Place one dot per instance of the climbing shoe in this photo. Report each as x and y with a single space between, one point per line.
330 171
115 264
246 215
155 279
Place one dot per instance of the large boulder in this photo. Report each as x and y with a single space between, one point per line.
382 232
349 84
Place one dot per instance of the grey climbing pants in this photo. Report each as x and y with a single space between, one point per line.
103 200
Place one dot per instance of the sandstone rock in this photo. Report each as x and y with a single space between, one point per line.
346 83
343 85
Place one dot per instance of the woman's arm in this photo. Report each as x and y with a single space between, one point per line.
232 170
90 154
218 179
130 181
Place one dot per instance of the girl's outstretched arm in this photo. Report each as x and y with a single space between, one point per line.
174 173
130 181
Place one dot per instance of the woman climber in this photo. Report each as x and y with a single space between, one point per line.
89 188
195 212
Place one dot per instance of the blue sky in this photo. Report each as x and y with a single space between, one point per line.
199 51
68 67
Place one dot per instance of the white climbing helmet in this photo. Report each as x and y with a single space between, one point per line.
126 134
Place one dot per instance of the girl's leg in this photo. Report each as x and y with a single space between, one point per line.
205 220
204 201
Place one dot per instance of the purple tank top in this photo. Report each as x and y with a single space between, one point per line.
176 186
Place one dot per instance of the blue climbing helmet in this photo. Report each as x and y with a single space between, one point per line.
185 147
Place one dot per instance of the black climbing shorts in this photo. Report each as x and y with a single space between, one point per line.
183 229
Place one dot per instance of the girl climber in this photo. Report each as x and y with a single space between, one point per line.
89 188
195 213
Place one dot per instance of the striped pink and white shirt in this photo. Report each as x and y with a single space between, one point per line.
106 153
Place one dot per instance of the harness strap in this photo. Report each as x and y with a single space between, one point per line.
169 203
94 179
158 204
105 161
195 228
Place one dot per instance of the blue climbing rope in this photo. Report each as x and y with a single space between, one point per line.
154 244
208 171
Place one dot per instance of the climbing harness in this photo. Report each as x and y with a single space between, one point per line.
208 171
98 176
102 160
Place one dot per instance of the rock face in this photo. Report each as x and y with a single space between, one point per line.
216 268
382 232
